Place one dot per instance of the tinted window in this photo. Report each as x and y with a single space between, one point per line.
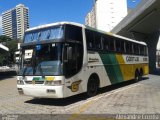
73 33
142 50
105 43
122 46
98 41
90 39
128 48
136 49
74 58
145 50
111 45
118 45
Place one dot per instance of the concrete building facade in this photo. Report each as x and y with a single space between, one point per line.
15 21
106 14
90 19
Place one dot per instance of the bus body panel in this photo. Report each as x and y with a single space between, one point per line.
95 65
110 66
115 70
42 91
35 86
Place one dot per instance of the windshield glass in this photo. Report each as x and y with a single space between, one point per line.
42 60
51 33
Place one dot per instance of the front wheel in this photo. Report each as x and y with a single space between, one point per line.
92 87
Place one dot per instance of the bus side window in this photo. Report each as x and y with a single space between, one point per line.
146 51
112 45
122 47
136 49
129 49
98 41
105 44
118 45
142 52
90 39
73 33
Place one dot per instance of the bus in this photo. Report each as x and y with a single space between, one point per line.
69 58
16 54
158 58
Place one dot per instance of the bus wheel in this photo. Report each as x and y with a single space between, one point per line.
141 74
92 86
137 76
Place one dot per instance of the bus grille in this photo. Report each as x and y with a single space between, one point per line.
35 82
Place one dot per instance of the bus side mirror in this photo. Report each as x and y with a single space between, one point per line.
69 53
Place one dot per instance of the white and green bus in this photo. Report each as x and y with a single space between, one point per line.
69 58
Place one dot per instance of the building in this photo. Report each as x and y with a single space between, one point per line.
15 21
106 14
91 18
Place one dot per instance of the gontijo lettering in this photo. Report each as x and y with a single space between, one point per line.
131 59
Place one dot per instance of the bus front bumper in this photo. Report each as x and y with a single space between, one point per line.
41 91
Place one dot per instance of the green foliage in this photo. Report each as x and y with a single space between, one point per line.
8 57
12 45
4 38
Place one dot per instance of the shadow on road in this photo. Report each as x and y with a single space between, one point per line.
156 72
77 98
58 102
5 75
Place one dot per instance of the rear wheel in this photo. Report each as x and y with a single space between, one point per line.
137 76
141 74
92 87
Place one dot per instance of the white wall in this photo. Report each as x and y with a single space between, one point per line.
110 13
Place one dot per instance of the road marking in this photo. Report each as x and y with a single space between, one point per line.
76 115
90 101
81 103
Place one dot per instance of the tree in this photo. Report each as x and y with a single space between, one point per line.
8 57
4 38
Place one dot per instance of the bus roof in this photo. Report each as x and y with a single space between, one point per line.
83 26
53 24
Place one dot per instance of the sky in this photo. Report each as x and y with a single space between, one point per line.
133 3
49 11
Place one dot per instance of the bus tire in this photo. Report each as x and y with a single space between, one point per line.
141 74
137 76
93 85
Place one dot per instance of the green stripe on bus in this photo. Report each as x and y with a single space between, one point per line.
112 67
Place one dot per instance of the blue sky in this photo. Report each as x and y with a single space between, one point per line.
48 11
133 3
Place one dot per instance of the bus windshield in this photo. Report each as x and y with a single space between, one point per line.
42 60
52 33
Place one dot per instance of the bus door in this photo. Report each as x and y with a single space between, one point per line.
73 59
73 50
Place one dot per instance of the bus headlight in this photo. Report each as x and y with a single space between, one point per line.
20 82
19 78
57 82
